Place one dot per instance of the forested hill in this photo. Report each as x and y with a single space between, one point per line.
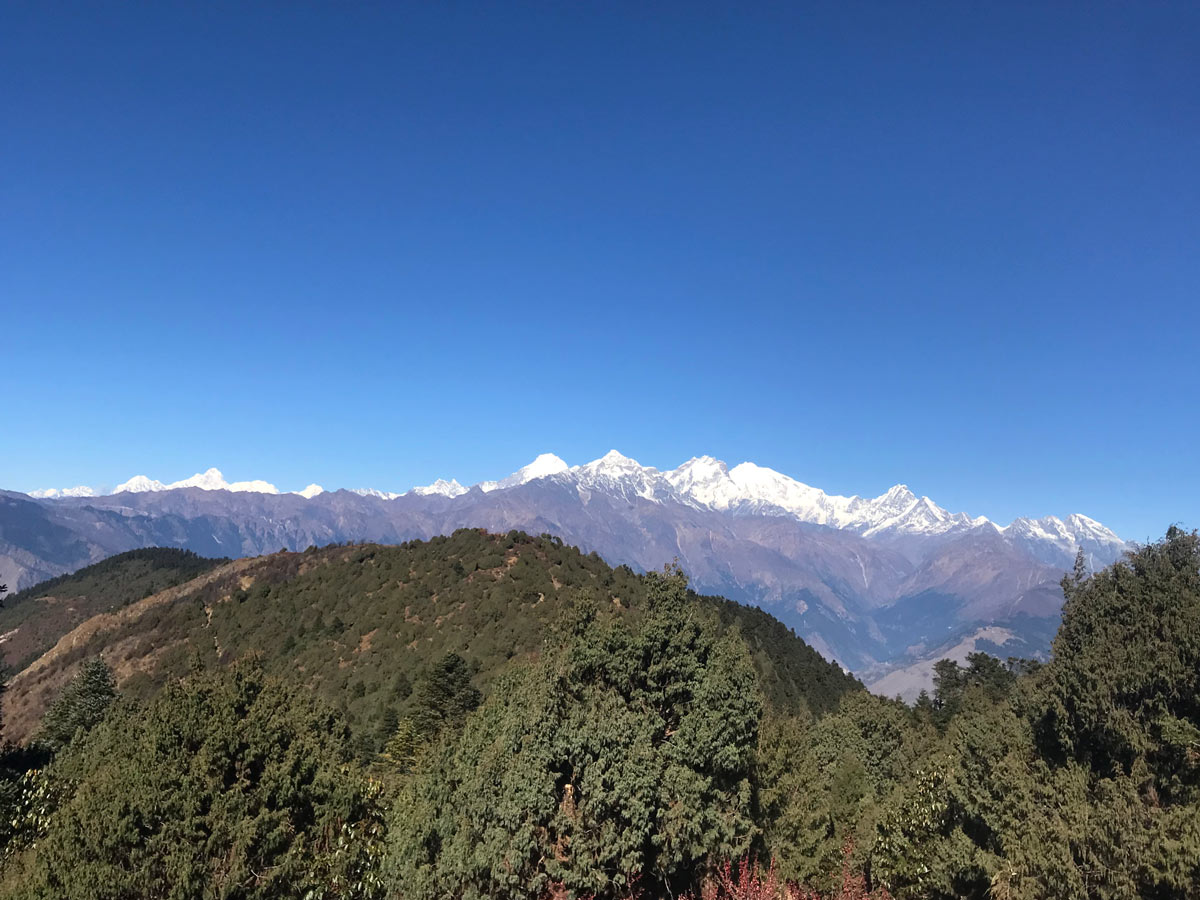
360 623
501 717
32 620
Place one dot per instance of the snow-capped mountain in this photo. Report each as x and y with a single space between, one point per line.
749 488
441 488
618 475
210 480
51 493
546 464
874 582
372 492
707 483
1050 537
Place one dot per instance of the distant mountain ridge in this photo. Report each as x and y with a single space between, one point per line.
707 483
876 583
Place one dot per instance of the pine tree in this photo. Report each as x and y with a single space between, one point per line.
443 697
625 755
400 752
1124 684
228 785
949 682
80 707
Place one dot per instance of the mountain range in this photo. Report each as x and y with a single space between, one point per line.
883 585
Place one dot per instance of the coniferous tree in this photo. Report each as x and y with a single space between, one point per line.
625 755
443 697
80 707
990 675
228 785
948 686
1124 683
399 754
924 707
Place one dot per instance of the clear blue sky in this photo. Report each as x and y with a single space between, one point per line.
955 245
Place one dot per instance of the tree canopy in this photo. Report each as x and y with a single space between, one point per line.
227 785
622 757
631 749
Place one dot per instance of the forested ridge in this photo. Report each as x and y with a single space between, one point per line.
501 716
33 619
358 623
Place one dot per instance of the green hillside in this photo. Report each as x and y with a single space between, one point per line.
32 620
359 624
606 738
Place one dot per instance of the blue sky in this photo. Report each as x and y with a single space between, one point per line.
952 245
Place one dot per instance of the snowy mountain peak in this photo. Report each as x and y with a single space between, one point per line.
761 483
1082 526
613 462
928 507
898 498
616 474
372 492
1077 531
210 480
54 493
139 484
701 479
545 465
442 488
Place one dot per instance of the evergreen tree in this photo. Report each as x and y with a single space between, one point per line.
924 708
228 785
80 707
990 675
1123 689
625 755
949 683
824 783
442 697
794 803
399 754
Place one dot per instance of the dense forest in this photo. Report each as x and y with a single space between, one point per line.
502 716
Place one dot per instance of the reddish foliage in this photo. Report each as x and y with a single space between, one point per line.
749 881
854 884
